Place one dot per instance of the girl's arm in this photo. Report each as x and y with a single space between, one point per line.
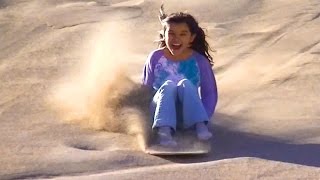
148 74
209 93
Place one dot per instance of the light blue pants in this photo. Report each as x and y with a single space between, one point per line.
180 102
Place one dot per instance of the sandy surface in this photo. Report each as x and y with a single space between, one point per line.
61 63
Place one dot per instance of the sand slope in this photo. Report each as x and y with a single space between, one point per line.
267 67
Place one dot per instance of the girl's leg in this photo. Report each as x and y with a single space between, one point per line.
194 113
163 105
164 112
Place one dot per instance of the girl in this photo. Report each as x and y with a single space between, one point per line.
180 75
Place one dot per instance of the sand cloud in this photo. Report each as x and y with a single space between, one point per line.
99 93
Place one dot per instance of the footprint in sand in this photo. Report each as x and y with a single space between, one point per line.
83 145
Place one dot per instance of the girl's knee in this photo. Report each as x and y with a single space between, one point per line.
185 82
169 86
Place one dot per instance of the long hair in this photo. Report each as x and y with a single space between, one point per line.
199 44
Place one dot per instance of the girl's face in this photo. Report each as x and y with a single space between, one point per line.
178 38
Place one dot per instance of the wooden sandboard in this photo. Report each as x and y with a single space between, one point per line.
187 144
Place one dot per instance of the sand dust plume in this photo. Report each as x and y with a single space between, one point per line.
99 94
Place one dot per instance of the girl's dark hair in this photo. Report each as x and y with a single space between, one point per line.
199 44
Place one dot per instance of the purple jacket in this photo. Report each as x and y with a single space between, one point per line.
208 86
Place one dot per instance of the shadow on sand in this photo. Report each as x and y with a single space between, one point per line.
232 144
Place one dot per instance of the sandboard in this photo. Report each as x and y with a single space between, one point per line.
187 144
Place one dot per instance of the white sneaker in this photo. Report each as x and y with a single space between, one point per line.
203 132
165 138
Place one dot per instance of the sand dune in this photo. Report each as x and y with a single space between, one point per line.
213 170
64 114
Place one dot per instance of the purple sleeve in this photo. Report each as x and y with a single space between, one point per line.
209 93
148 74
